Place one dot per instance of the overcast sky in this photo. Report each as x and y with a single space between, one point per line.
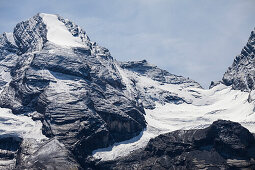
193 38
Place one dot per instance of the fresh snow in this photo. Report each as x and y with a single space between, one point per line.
58 33
19 125
129 90
10 38
206 106
5 75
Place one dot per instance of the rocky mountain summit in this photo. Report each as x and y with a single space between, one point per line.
223 145
54 74
66 103
241 74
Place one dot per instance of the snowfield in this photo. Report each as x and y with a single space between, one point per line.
204 107
19 125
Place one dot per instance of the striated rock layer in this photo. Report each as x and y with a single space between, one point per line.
52 72
75 91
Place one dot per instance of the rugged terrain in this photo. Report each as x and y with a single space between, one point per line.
66 103
241 74
52 73
223 145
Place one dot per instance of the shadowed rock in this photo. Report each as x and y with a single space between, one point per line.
223 145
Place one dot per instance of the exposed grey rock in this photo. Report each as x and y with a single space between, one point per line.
8 57
214 83
157 74
7 45
48 155
75 30
78 93
241 74
149 95
30 35
223 145
9 148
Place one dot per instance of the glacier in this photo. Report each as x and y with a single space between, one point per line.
205 106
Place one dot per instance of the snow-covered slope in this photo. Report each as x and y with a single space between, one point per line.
58 33
199 108
190 106
55 81
19 125
15 129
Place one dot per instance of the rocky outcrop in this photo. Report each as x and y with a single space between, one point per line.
146 82
50 154
9 149
75 92
223 145
18 153
30 35
241 74
157 74
78 92
8 57
75 30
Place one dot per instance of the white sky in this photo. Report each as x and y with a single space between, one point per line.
193 38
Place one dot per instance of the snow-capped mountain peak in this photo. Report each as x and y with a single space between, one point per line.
35 33
58 33
241 75
56 82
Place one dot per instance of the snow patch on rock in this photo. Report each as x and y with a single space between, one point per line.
58 33
10 38
19 125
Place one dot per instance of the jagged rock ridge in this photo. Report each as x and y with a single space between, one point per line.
74 87
241 74
52 72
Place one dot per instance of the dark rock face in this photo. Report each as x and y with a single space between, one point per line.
241 74
49 155
9 149
16 153
8 57
78 93
82 109
30 35
75 92
223 145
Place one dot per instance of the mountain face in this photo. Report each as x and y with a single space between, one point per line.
241 74
80 96
170 105
223 145
145 91
66 103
